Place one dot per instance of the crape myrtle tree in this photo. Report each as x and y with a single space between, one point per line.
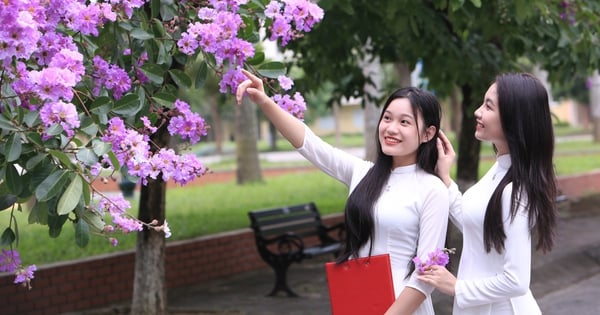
88 89
462 45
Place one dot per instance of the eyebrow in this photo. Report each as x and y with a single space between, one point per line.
401 115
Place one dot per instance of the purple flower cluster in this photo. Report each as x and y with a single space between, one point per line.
110 77
439 257
568 12
291 18
132 149
10 261
295 106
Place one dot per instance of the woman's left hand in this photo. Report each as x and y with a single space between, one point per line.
440 278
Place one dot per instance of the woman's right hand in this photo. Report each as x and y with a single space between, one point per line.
253 88
446 157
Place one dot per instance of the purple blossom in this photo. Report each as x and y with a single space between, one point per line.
439 257
187 124
60 113
295 106
285 82
24 276
9 260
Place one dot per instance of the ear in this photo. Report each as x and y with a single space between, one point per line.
429 133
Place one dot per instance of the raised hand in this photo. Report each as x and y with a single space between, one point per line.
446 157
253 88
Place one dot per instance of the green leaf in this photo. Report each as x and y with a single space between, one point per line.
100 147
35 138
164 98
272 69
13 147
153 72
35 160
55 224
141 34
168 11
163 56
114 161
7 201
155 10
476 3
87 156
31 118
61 156
181 78
70 197
157 26
54 130
13 179
456 4
38 214
7 238
52 185
6 124
82 233
86 193
201 75
101 105
88 126
258 58
128 105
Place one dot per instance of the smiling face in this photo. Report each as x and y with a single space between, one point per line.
398 132
489 125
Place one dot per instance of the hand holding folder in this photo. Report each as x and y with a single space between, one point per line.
361 286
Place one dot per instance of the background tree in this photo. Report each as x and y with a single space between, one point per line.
462 45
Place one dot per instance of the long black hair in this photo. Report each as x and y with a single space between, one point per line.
527 125
359 206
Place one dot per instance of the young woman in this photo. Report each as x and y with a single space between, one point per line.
507 209
396 204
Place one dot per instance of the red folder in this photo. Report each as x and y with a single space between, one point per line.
361 286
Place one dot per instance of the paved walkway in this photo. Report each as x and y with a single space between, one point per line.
565 281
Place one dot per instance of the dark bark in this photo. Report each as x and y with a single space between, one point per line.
149 288
468 146
216 124
246 130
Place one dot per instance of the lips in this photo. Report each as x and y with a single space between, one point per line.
391 140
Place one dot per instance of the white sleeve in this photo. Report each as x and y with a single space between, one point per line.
334 162
433 225
516 257
455 205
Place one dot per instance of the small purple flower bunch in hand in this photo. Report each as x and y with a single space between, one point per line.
439 257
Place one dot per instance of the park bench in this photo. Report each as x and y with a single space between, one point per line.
291 234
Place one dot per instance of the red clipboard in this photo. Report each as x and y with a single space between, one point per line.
361 286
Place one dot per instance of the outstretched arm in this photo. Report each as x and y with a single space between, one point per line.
289 126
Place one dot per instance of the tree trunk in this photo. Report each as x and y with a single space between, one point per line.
216 124
272 137
246 130
595 105
149 288
403 74
455 110
336 124
468 147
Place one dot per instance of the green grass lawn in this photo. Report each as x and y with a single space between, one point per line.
213 208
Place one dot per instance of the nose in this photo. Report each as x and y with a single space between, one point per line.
478 112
